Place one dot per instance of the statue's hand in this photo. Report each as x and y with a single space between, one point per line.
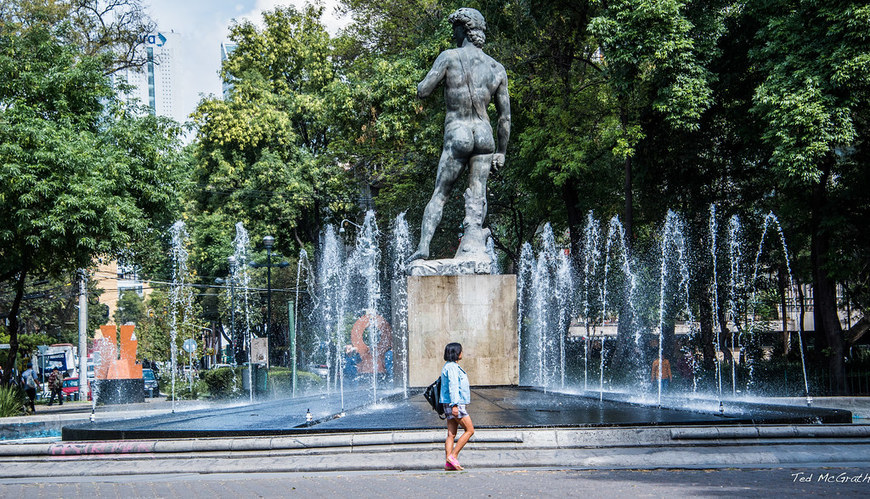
497 161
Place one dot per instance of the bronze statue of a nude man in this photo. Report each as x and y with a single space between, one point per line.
471 79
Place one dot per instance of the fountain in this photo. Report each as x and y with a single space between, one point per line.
180 295
241 245
400 251
349 284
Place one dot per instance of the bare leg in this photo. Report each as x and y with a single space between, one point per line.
452 427
474 240
468 426
448 169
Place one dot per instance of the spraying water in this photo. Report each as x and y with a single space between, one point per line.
591 257
527 261
241 245
180 296
401 250
368 251
735 285
768 220
302 263
714 255
673 244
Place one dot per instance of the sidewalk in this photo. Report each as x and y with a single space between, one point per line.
687 447
47 421
474 482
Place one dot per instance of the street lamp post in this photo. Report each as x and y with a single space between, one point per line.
346 221
233 263
268 242
231 279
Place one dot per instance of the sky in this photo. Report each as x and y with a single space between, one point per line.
202 25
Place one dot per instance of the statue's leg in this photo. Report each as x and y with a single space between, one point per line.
448 169
474 236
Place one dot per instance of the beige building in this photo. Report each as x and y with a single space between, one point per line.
113 278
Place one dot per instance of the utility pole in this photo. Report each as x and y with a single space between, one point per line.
232 278
83 335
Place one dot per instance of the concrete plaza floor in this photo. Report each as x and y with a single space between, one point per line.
517 482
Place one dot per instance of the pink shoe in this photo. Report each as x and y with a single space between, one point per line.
448 466
454 462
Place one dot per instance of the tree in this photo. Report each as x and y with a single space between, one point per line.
813 103
261 154
80 174
656 57
131 308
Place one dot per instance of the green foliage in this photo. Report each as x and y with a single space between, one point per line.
281 382
260 153
27 344
223 382
131 308
81 174
153 330
11 401
814 94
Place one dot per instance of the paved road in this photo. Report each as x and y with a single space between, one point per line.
470 483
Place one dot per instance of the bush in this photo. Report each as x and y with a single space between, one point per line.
183 390
223 382
11 401
281 381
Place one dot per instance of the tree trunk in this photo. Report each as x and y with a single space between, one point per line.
575 218
824 290
628 223
782 281
705 317
13 326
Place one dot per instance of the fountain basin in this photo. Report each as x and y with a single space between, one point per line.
491 407
120 391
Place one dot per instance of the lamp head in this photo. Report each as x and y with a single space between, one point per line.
268 242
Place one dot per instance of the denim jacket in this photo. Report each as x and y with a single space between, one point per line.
454 385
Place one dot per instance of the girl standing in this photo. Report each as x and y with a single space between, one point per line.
455 394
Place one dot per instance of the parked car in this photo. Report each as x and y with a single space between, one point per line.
71 388
150 382
319 369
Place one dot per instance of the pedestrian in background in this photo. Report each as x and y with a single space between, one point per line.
455 394
55 384
665 372
30 384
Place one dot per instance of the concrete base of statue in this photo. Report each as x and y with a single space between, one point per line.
478 311
451 266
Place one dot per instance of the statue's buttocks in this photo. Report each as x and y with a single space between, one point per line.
471 81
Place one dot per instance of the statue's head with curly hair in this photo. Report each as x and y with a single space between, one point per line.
472 22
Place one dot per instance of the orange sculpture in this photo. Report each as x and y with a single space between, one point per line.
112 367
385 342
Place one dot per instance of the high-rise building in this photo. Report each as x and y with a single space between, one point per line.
226 50
153 85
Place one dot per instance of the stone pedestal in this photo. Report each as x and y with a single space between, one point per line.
478 311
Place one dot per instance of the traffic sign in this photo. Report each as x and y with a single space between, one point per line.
189 345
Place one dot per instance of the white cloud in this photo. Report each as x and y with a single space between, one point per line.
330 19
202 26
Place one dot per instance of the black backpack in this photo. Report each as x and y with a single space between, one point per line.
433 396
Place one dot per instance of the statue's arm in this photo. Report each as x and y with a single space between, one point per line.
434 77
503 106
